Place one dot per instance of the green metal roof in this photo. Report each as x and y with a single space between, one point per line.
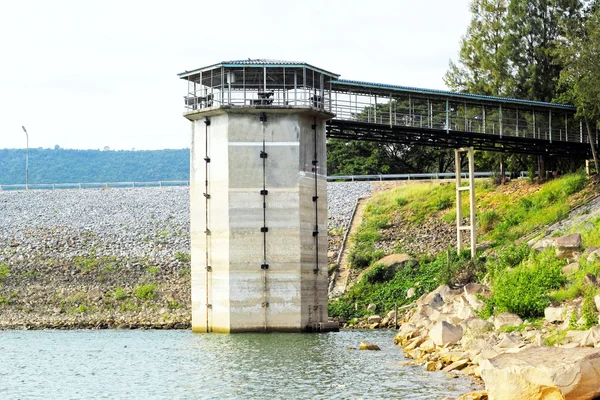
257 62
446 93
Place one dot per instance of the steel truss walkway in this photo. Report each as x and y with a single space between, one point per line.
393 114
396 114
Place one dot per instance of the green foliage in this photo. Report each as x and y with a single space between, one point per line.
4 272
378 286
401 201
145 291
183 257
152 270
119 293
525 289
555 337
588 309
63 165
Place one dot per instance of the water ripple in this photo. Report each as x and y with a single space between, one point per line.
182 365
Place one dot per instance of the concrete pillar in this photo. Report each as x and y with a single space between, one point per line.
258 225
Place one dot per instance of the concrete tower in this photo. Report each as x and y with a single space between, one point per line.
258 196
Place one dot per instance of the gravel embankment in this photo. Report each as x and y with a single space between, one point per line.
77 258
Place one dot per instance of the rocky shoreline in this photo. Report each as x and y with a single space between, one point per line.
548 358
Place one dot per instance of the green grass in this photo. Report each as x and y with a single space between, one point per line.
4 272
145 291
183 257
380 287
524 282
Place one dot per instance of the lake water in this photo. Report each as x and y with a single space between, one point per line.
158 364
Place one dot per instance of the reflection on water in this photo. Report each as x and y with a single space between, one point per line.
182 365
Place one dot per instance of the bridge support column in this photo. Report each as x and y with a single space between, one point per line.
470 188
258 202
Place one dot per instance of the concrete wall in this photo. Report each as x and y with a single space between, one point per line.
291 295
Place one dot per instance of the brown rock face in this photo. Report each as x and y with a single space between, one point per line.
545 373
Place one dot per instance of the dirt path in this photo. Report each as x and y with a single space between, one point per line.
341 279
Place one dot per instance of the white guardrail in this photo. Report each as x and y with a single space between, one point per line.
346 178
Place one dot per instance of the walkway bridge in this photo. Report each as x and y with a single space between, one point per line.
394 114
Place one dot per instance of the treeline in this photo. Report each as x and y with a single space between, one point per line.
62 165
544 50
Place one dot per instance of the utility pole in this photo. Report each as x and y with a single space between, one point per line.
26 160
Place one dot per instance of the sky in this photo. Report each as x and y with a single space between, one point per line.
90 74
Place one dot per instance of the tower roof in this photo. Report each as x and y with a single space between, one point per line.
256 62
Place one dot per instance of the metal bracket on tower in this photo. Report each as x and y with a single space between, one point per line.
459 190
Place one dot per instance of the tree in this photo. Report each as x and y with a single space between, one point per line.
580 78
534 31
482 65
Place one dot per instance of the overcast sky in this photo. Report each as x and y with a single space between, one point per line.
89 74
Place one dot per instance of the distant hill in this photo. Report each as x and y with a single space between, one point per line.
65 166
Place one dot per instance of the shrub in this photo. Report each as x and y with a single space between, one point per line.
524 290
145 291
379 274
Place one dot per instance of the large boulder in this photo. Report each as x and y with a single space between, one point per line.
507 319
567 246
544 373
444 333
373 319
555 314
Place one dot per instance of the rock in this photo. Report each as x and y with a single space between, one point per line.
385 321
427 346
406 332
414 343
590 279
410 293
590 337
436 301
571 268
597 302
463 308
555 314
374 325
457 365
594 256
567 245
371 307
430 366
444 333
373 319
481 395
543 244
507 319
509 342
475 326
391 315
368 346
395 261
543 373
